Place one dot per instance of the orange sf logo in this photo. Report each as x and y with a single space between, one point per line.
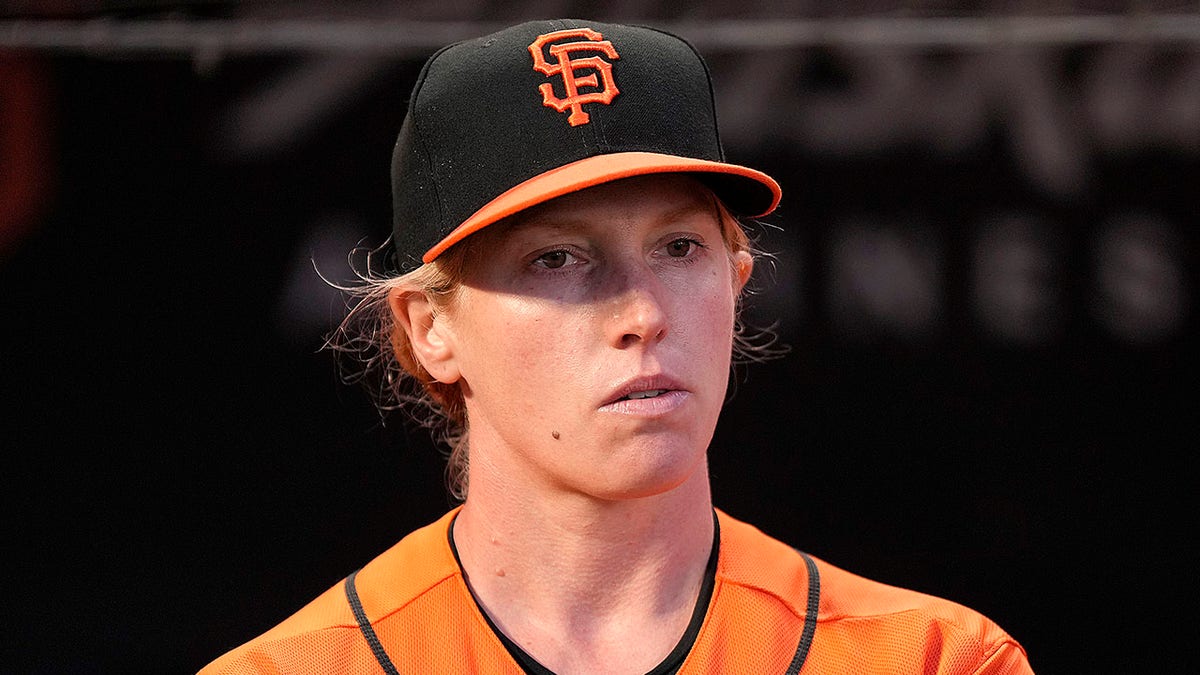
566 67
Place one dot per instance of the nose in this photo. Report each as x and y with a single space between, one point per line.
636 313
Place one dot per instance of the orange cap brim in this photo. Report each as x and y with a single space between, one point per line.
589 172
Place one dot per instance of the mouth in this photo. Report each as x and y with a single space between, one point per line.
649 393
640 392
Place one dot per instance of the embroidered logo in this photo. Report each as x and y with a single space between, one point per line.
566 66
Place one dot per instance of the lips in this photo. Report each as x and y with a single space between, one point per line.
644 389
646 394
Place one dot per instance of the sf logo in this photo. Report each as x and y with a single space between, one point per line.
566 67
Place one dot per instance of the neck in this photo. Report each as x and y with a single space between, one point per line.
573 575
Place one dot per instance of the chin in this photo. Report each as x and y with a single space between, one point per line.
652 472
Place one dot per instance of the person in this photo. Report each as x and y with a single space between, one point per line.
568 262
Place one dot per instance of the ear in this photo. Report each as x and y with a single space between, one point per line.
743 266
429 338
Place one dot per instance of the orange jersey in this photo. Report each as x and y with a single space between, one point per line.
772 610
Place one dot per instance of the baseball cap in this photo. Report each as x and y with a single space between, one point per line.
507 121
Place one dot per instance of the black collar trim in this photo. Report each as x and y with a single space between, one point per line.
810 615
673 660
669 665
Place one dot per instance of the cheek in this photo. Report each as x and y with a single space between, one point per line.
708 303
513 344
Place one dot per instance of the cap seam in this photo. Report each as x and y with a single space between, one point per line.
426 154
712 94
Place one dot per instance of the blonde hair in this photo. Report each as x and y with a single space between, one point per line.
374 350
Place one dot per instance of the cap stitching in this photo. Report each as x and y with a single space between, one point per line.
426 154
712 94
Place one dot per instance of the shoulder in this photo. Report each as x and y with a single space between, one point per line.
874 626
913 627
325 634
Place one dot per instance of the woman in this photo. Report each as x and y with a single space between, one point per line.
569 268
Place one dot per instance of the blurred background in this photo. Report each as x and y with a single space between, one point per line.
984 266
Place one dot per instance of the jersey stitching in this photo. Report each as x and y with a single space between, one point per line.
968 634
811 610
796 609
367 626
990 657
364 625
417 596
809 616
882 615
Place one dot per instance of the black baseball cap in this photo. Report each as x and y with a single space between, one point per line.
507 121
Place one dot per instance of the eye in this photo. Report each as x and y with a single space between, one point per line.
682 247
553 260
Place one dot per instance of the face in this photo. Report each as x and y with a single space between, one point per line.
592 339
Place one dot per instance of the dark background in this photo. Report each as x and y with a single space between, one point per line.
990 393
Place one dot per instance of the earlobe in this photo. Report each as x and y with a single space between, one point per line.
429 342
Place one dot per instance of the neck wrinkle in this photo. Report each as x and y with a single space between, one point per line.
578 564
